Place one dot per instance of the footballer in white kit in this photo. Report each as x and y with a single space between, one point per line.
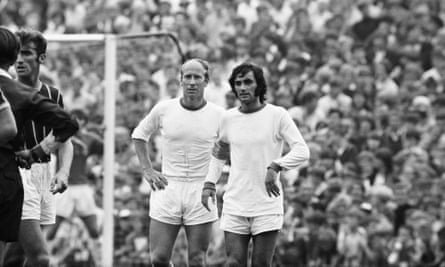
252 136
187 139
188 129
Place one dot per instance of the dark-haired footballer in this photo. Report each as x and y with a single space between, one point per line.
252 136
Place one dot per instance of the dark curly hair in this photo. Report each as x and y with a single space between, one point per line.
242 70
9 47
27 36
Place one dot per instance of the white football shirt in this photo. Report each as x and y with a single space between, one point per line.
256 140
187 136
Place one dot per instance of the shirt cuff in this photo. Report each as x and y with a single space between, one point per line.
274 166
4 105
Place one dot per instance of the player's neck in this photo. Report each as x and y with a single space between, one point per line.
251 107
4 68
31 81
193 103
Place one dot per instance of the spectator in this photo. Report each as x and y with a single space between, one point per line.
386 57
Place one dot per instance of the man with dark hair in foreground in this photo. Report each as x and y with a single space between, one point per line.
27 104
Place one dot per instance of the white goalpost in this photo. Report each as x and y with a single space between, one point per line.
110 43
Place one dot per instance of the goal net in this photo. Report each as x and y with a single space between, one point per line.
110 83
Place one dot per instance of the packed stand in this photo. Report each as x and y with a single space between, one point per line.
362 79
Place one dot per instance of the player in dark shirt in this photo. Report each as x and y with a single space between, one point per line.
27 104
79 197
9 129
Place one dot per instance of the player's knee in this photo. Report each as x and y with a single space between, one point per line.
38 258
42 260
51 234
260 262
197 258
159 259
234 262
13 260
94 233
160 264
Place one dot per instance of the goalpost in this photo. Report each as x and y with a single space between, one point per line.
110 43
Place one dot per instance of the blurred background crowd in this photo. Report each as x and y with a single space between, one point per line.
363 80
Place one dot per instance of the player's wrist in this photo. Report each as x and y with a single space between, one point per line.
4 106
63 173
2 99
37 153
148 169
274 166
209 186
48 144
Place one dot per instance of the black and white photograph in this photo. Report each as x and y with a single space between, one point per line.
222 133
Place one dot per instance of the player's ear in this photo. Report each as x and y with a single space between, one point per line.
42 58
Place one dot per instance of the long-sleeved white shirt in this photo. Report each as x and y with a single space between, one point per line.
187 136
256 140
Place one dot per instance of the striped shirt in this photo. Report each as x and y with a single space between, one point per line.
34 133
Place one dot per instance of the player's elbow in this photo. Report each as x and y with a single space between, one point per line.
66 130
139 141
305 153
9 129
67 146
8 132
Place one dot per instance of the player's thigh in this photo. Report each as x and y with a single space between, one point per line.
199 236
162 238
236 248
65 203
13 255
11 203
166 205
263 248
31 238
47 209
235 224
194 211
90 223
51 231
266 223
85 204
31 195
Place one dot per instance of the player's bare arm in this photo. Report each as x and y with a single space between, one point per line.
59 183
156 180
220 153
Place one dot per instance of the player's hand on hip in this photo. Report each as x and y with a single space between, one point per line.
24 158
155 179
271 183
209 190
59 183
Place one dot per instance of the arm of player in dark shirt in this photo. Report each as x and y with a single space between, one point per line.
9 128
49 114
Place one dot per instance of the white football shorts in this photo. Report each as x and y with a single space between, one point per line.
251 225
180 203
38 203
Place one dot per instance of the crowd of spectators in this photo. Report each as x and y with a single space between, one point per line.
363 80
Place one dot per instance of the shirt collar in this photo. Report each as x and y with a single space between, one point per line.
5 73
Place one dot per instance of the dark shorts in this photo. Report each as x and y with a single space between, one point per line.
11 202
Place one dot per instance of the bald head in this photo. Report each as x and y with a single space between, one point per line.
196 65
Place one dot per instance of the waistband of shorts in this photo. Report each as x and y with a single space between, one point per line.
185 179
38 163
43 160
